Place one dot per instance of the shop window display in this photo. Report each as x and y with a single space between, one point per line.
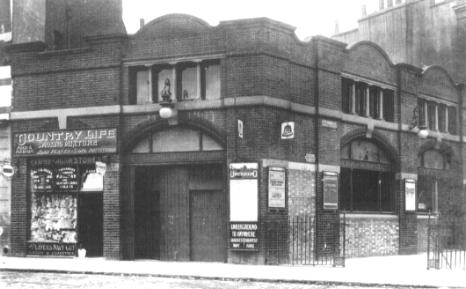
54 206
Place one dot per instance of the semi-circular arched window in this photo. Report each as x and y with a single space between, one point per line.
177 139
366 177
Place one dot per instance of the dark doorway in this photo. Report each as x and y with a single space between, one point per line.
207 226
147 217
90 232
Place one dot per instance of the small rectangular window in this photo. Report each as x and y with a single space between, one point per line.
374 103
442 117
346 94
432 121
361 98
422 112
211 80
388 105
189 83
452 120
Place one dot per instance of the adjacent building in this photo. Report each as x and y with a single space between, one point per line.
185 141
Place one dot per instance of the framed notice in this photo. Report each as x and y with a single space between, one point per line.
243 192
277 188
330 189
410 195
244 236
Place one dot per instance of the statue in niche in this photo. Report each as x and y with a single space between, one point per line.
166 93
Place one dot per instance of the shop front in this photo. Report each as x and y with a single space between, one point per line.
65 171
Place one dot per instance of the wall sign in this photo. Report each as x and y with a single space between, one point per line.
330 188
42 179
65 142
329 123
240 128
277 187
410 195
287 131
243 236
66 178
51 249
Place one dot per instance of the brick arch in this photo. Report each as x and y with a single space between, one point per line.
443 148
171 25
373 45
142 130
376 138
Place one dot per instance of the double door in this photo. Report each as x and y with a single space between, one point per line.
180 213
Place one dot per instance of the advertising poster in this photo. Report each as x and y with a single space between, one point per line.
330 188
277 188
244 206
410 195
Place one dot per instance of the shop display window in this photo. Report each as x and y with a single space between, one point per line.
54 187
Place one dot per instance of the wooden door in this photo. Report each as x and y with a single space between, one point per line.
207 226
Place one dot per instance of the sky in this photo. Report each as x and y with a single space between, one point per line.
310 17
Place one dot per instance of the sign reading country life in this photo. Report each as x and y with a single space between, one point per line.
65 142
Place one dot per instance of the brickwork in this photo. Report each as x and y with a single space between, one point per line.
301 193
259 57
371 236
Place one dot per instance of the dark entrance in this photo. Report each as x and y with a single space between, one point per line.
180 213
90 223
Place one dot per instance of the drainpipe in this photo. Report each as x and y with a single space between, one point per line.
317 141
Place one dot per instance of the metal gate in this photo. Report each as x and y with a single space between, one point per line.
295 241
446 243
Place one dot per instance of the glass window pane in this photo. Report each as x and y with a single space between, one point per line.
441 117
165 84
361 99
176 140
452 120
431 115
346 92
387 202
388 105
143 87
189 83
374 102
362 150
209 144
212 81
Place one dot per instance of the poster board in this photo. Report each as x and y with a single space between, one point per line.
244 204
330 189
410 195
277 187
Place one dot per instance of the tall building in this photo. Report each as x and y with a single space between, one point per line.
187 141
418 32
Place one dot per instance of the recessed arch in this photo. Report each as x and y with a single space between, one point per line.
142 131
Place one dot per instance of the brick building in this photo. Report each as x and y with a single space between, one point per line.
181 141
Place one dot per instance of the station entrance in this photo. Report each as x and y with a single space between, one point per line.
180 213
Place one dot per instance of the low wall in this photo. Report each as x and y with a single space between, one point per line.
371 235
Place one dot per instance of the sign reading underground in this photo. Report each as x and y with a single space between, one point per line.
244 206
65 142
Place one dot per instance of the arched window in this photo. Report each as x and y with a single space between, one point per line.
177 139
366 178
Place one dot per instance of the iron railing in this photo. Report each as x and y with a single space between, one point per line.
296 241
446 243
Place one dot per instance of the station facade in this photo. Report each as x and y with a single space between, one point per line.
178 142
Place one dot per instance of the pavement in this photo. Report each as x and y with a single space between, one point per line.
405 270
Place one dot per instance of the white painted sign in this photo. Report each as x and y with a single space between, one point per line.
287 131
410 195
277 188
240 128
244 192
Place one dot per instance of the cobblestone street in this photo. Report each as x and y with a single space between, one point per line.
16 280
